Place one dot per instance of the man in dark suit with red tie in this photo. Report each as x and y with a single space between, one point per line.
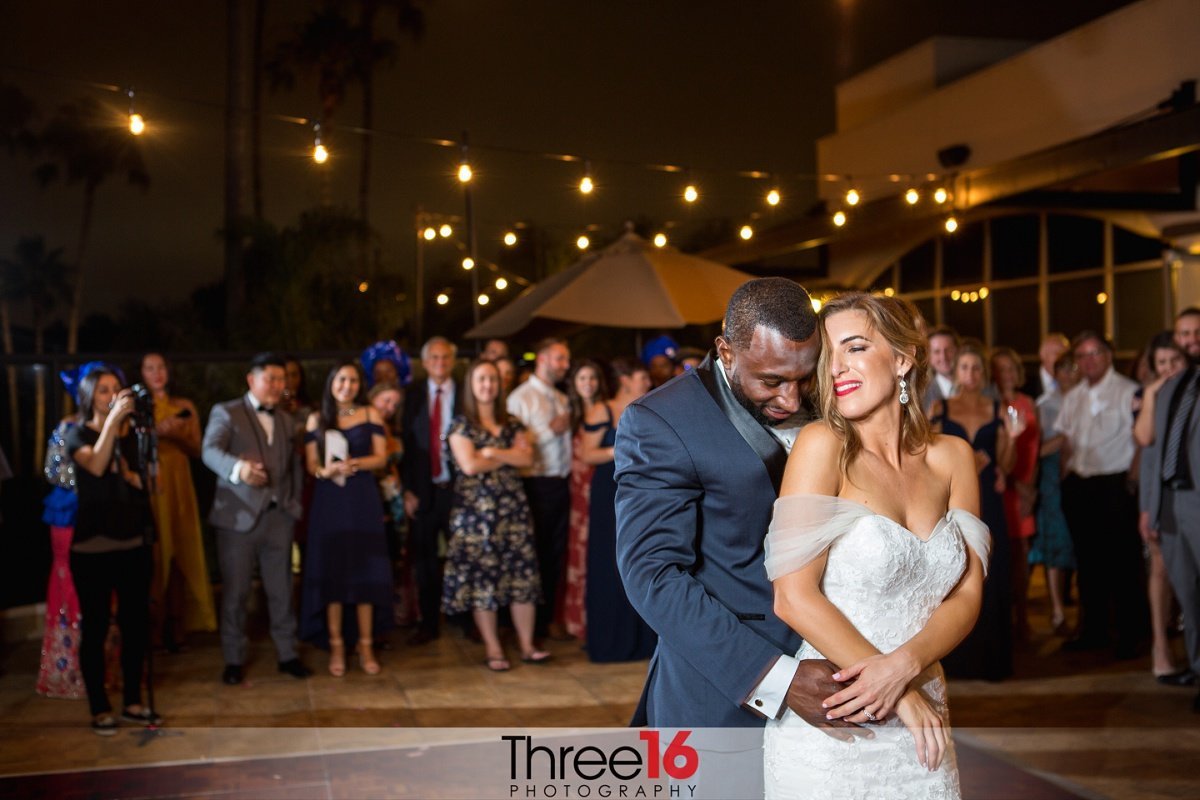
428 483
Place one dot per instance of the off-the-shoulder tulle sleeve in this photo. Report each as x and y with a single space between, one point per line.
975 532
804 526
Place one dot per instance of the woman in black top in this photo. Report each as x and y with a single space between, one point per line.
111 549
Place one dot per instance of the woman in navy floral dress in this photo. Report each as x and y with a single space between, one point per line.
491 560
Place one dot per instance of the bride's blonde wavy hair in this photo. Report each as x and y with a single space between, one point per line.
899 323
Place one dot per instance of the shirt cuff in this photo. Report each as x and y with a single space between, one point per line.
769 698
235 477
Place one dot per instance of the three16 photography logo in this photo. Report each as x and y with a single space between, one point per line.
606 769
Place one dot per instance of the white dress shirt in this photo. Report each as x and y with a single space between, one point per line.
536 403
945 385
1049 382
267 421
1098 423
447 388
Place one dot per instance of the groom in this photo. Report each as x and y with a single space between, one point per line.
698 465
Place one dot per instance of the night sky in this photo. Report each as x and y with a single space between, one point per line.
719 86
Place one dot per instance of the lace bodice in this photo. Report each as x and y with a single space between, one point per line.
887 581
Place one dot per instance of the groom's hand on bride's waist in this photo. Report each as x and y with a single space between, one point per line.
812 683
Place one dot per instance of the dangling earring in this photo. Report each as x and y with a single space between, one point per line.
903 392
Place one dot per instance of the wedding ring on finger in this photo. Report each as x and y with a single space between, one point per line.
870 716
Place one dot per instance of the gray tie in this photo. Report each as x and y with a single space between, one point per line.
1172 469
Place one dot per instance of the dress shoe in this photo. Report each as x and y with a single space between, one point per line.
1184 677
232 675
294 668
421 637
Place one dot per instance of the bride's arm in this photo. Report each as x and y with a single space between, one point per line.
947 626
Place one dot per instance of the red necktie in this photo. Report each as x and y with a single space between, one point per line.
435 434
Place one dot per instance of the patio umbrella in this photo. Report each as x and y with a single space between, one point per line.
629 284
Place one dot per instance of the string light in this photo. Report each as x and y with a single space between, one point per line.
852 197
430 234
510 239
839 218
483 299
690 193
137 124
468 263
955 294
586 184
362 287
951 224
773 197
816 304
747 233
501 284
445 231
583 242
660 240
966 298
974 297
443 298
320 154
889 292
1102 298
940 195
912 196
984 292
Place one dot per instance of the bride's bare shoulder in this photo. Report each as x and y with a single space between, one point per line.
813 465
950 454
817 439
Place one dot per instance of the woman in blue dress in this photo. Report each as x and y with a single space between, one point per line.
615 632
346 562
987 651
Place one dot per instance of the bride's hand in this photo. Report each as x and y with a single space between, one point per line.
927 728
877 683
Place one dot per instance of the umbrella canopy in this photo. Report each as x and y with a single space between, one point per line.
629 284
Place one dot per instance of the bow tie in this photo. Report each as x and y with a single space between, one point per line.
266 410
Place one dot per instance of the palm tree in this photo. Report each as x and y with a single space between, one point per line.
35 278
88 144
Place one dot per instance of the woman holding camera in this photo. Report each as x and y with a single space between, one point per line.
182 591
111 549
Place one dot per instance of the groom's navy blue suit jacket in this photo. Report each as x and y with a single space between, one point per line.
697 477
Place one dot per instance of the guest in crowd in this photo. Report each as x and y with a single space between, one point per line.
182 591
508 373
428 483
385 362
1169 498
615 631
1101 511
491 561
59 673
110 552
249 445
1020 481
1187 332
586 390
546 414
1051 546
1050 351
295 399
690 358
1167 359
347 559
387 399
987 651
659 357
494 350
943 353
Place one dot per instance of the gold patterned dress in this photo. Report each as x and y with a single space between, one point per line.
178 519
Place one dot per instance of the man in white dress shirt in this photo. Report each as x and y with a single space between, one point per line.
1097 421
943 350
546 413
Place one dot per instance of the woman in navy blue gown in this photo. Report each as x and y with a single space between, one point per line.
987 651
346 562
615 632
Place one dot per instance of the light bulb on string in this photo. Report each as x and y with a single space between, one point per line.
137 123
484 299
889 292
747 233
583 242
660 240
468 263
839 218
320 154
501 284
586 184
363 286
955 294
510 239
984 292
912 196
951 224
445 231
940 195
852 197
443 298
773 197
430 234
690 193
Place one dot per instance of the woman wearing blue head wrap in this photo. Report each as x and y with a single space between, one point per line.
385 362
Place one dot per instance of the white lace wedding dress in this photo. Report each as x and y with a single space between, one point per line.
888 582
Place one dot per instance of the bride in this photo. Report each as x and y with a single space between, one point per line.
878 563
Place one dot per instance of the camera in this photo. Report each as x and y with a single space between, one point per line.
142 417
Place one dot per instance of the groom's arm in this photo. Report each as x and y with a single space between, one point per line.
658 512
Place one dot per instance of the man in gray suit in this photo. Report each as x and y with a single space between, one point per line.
249 444
1170 502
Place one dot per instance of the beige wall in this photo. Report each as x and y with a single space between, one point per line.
1084 81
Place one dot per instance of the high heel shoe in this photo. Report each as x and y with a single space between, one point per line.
337 658
366 657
